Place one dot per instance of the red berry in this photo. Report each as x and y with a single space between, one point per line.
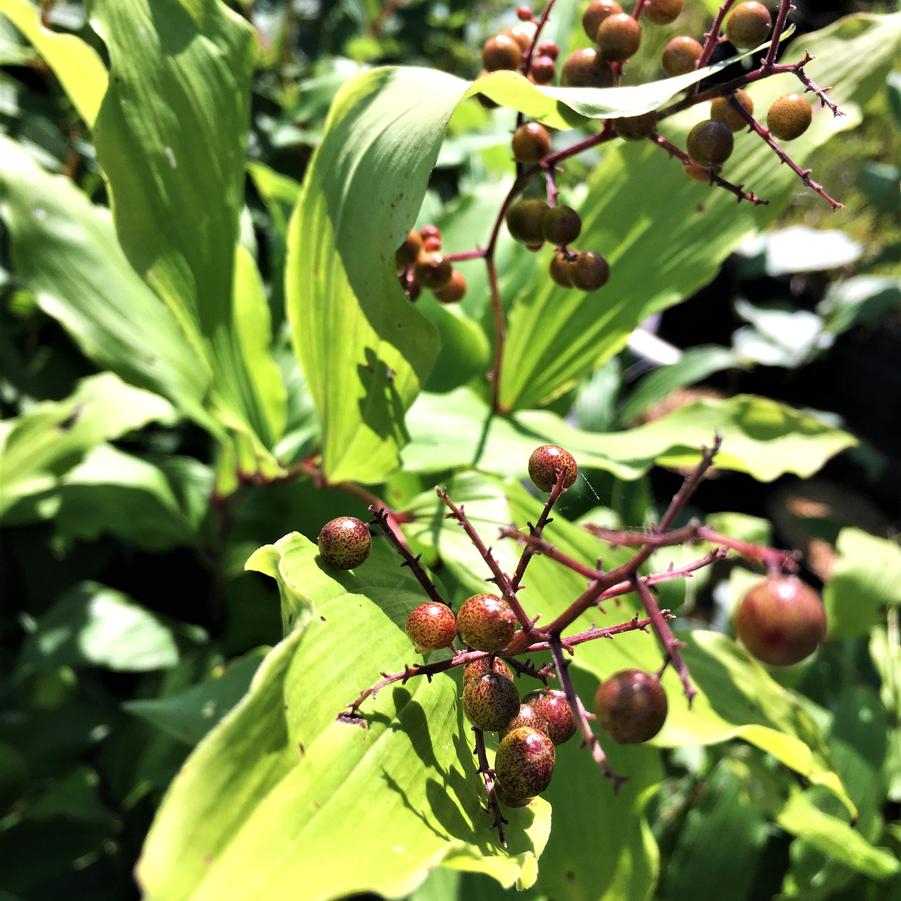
524 762
554 708
522 33
486 622
433 270
431 243
595 13
431 626
409 250
528 715
524 13
490 702
543 70
549 48
546 461
455 290
631 706
344 542
501 52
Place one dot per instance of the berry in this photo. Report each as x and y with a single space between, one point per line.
486 622
595 13
525 220
619 36
409 250
681 55
481 666
553 706
433 270
723 111
662 12
431 626
454 290
697 173
709 144
549 48
528 715
430 231
501 52
590 271
631 706
432 243
524 762
531 142
561 270
635 128
509 800
586 69
789 117
546 461
543 69
561 225
524 13
344 542
490 702
781 620
522 33
748 25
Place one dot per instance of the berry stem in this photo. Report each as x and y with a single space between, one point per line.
536 530
639 9
500 331
785 7
526 67
605 134
487 774
462 256
712 37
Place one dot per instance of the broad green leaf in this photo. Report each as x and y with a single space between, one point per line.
65 250
866 577
92 625
40 446
270 799
760 436
666 235
77 65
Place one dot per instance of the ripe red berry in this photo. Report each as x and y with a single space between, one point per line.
431 626
554 708
543 70
636 128
432 243
681 55
525 220
524 12
789 117
562 225
585 69
723 111
595 13
618 37
709 144
481 666
531 142
433 270
631 706
490 702
549 48
430 231
524 762
561 269
662 12
454 290
748 25
546 461
501 52
781 620
589 271
344 542
486 622
529 716
409 250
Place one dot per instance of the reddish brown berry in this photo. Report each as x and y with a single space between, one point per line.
430 231
789 117
619 37
561 270
543 70
525 220
595 13
480 667
662 12
590 271
709 144
631 706
490 702
344 542
454 290
433 270
781 620
531 142
524 13
723 111
748 25
408 251
635 128
562 225
586 69
501 52
524 762
697 173
546 461
431 626
529 716
553 706
549 48
681 55
431 244
523 33
486 622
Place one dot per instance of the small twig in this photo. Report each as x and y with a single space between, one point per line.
536 545
527 668
464 255
639 9
487 773
537 529
712 37
785 7
812 86
526 65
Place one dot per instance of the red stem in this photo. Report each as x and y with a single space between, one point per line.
712 37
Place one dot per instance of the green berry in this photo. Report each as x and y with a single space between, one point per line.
486 622
454 290
595 13
528 715
789 117
525 220
481 666
344 542
554 708
433 270
681 55
748 25
490 702
723 111
589 271
431 626
546 461
631 706
635 128
618 37
585 69
662 12
531 142
561 269
501 52
562 225
524 762
709 144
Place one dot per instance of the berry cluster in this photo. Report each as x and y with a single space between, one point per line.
420 264
518 49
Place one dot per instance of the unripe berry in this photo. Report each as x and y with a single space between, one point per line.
590 271
546 461
501 52
789 117
562 225
529 716
595 13
433 270
635 128
431 626
486 622
561 270
543 70
662 12
553 706
531 142
709 144
748 25
549 48
631 706
781 620
480 667
524 13
524 762
681 55
525 220
409 250
618 37
344 542
490 702
586 69
723 111
454 290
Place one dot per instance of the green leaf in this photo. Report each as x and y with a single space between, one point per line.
271 798
77 65
866 577
640 207
92 625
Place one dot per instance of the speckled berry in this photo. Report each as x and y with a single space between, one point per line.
501 52
748 25
595 13
618 37
681 55
525 220
531 142
561 269
781 620
585 69
408 251
431 626
562 225
344 542
486 622
524 762
480 667
433 270
546 461
490 702
455 290
636 128
509 800
528 715
709 144
662 12
631 706
590 271
789 117
723 111
554 708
